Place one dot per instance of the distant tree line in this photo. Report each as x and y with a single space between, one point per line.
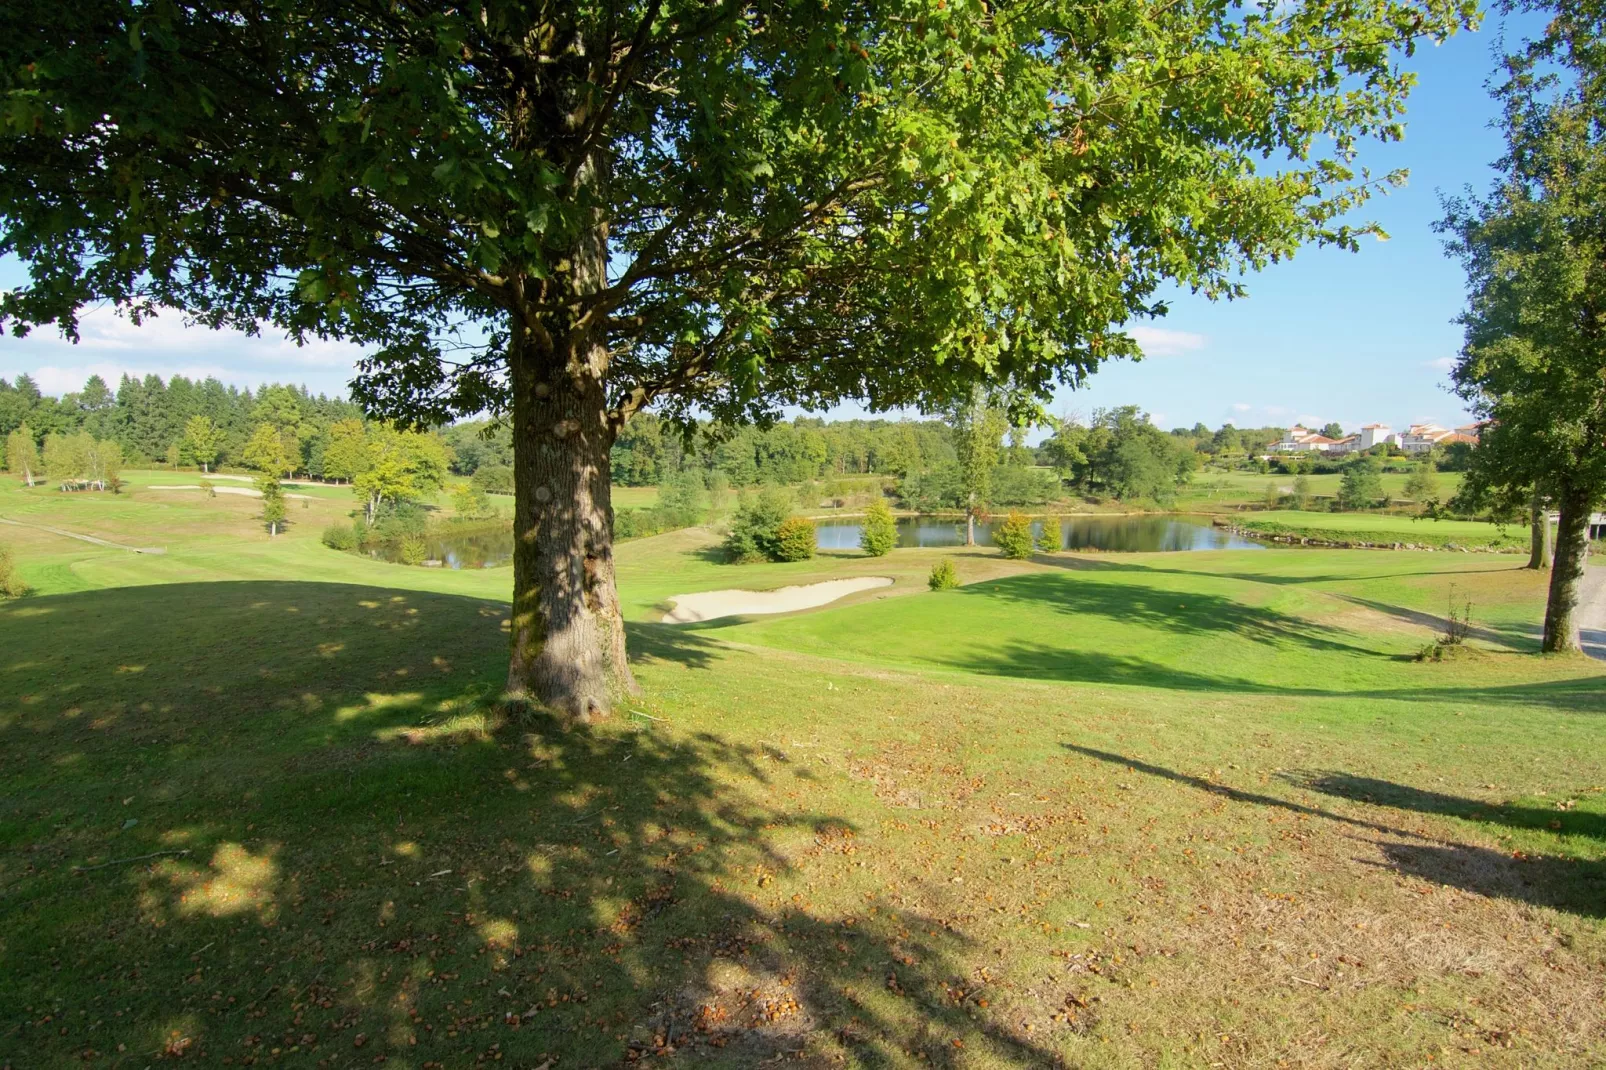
157 421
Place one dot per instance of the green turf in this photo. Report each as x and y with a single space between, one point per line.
1097 811
1212 490
1385 528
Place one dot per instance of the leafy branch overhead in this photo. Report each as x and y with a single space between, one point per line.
801 201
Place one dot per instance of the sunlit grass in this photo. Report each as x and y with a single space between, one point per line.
1101 810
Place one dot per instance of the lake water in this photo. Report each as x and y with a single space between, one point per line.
485 549
1126 534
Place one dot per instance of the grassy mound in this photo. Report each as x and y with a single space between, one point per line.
1123 811
1371 530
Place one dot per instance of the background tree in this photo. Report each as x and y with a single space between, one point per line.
1534 358
346 456
66 457
1361 486
878 534
977 424
202 441
1301 491
570 212
755 529
401 466
1332 429
273 510
1422 486
22 456
270 451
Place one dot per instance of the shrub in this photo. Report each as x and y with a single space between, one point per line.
412 550
397 520
880 531
471 502
11 585
1014 536
943 577
1362 484
795 539
493 479
1048 540
756 526
340 537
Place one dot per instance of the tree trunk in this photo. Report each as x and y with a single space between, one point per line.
970 527
1572 548
1539 554
568 642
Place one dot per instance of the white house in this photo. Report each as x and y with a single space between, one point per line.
1373 434
1298 439
1419 438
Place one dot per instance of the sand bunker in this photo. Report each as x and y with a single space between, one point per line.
690 608
247 492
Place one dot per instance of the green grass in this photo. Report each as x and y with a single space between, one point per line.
1381 528
1211 490
1103 811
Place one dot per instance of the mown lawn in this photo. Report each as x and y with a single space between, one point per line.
1211 491
1103 811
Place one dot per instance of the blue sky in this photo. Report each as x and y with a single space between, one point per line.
1354 337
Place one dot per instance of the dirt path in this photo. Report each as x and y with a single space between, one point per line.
1592 612
86 538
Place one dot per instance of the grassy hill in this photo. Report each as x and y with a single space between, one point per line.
1107 811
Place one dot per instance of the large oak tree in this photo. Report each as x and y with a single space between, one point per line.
1534 360
567 210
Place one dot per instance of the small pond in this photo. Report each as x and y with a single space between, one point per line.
481 549
1126 534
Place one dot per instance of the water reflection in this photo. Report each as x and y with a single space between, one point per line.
1125 534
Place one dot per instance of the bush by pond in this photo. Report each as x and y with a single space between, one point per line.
755 533
880 532
1014 536
795 539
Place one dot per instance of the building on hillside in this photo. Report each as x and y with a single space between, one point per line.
1419 438
1472 431
1347 444
1299 439
1373 435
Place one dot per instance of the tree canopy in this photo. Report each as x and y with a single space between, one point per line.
574 211
1533 363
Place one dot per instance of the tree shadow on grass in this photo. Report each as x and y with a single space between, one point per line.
1091 563
1563 822
1522 637
1184 612
315 832
1574 885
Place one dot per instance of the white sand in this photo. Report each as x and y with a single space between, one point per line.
249 492
690 608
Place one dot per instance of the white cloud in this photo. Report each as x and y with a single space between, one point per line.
1442 364
1158 419
1242 406
111 346
1161 342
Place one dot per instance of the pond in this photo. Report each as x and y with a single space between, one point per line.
480 549
1126 534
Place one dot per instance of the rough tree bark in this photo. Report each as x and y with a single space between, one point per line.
1572 548
1539 552
568 636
